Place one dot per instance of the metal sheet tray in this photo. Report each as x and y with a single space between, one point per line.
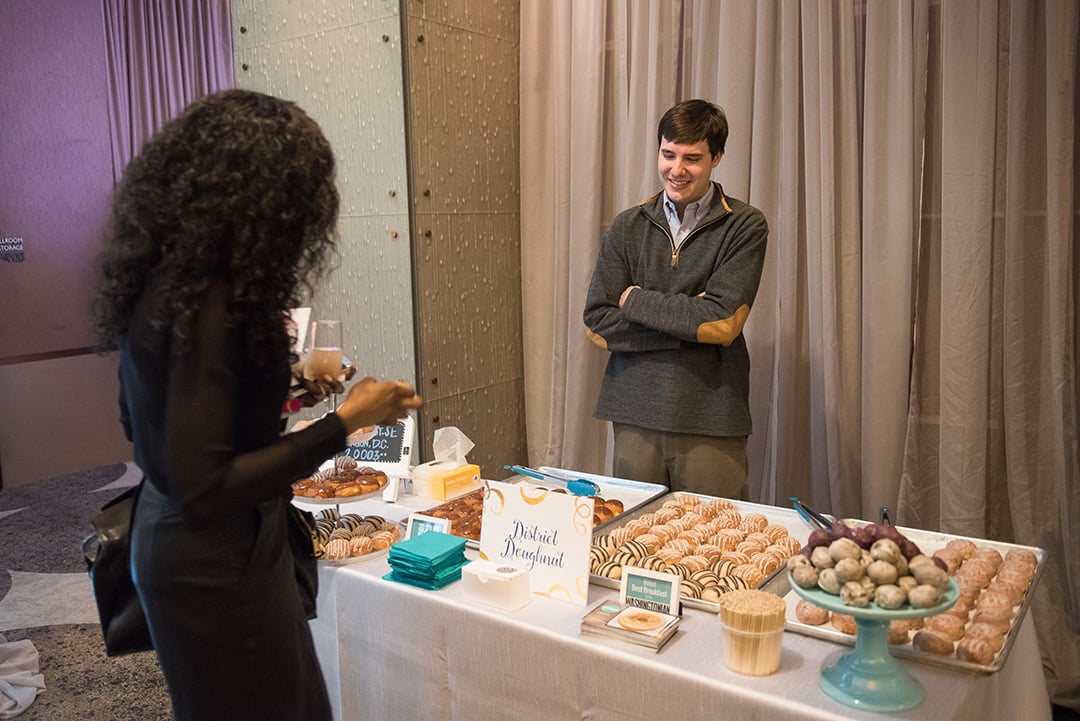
776 582
633 494
928 542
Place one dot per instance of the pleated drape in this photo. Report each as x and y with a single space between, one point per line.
914 339
160 57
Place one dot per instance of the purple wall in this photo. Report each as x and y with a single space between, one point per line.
55 172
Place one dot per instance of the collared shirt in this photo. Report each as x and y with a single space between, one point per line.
695 210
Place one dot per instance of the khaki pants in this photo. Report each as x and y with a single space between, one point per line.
709 465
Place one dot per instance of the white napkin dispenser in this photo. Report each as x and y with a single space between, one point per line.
496 584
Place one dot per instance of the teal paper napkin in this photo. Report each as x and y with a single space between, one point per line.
430 560
422 583
428 550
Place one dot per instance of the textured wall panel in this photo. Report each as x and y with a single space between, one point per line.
498 18
261 22
463 94
493 418
341 61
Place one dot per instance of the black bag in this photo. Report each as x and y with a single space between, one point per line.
107 553
305 546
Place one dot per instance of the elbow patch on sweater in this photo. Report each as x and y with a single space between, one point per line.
723 332
596 339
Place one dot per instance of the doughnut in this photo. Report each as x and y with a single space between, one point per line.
993 635
614 505
961 609
807 612
990 555
1014 593
908 624
305 489
932 642
1018 576
977 569
898 633
962 546
951 557
995 602
843 623
993 617
348 489
949 626
975 650
1022 557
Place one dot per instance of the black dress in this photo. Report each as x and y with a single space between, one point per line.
210 554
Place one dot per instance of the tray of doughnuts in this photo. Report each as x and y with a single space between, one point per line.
339 480
616 497
996 582
349 537
715 545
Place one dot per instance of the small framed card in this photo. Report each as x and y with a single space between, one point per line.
418 524
650 590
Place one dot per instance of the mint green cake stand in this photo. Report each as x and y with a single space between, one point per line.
869 678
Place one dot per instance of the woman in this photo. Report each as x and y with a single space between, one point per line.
221 222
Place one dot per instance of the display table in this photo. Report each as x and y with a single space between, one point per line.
391 651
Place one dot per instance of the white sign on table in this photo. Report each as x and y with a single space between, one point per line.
547 534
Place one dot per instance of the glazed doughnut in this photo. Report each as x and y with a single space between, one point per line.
977 569
367 485
932 642
370 475
1014 593
898 633
347 489
614 505
807 612
989 555
949 626
975 650
993 635
1018 576
964 547
961 609
951 557
994 602
993 617
1022 557
305 488
908 624
843 623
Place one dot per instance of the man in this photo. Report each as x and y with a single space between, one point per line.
671 291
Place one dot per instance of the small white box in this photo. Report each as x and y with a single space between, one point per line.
496 584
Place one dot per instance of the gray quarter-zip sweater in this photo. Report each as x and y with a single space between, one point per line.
678 357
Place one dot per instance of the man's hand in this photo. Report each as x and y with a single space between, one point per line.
626 294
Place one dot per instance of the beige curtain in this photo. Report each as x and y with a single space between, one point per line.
915 336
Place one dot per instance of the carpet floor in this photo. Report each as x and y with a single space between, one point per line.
45 597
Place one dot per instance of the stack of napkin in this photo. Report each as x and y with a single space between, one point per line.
430 560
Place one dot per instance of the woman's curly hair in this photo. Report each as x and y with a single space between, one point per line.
238 188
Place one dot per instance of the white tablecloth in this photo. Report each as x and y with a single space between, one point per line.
390 651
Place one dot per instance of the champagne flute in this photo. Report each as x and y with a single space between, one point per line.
327 356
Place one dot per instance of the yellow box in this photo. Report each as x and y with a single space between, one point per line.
443 480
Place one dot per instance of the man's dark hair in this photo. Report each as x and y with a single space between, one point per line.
692 121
